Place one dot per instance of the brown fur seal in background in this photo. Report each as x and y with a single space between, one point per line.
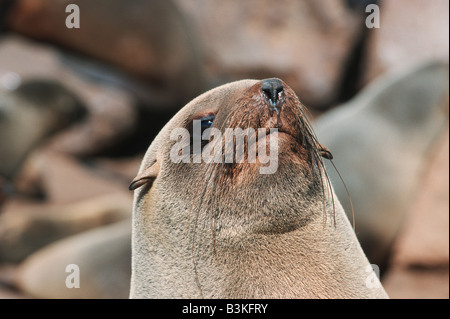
382 141
28 115
223 230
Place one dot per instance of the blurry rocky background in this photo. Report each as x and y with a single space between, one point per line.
79 107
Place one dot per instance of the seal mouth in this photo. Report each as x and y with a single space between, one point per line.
282 135
267 108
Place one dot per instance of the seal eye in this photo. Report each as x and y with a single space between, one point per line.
202 139
207 121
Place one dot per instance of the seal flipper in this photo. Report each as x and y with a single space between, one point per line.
146 176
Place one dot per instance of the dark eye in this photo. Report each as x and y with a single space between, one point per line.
207 121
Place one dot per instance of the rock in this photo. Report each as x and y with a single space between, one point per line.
5 191
103 258
148 39
120 110
7 279
411 32
68 180
303 42
23 232
417 283
423 240
419 264
381 142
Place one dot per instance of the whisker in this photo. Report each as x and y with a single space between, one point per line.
211 171
310 139
348 195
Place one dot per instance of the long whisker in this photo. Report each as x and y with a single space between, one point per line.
348 195
195 232
309 137
212 216
211 172
219 173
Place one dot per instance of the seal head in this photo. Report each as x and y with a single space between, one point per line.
257 219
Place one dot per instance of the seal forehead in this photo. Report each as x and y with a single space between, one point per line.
209 101
215 98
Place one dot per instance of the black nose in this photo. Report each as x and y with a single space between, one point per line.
272 88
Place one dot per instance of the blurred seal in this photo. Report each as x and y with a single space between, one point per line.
29 114
382 141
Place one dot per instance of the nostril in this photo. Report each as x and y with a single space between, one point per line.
279 89
268 93
272 88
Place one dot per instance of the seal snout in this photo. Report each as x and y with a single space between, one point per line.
272 89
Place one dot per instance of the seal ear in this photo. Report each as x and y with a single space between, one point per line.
325 152
145 177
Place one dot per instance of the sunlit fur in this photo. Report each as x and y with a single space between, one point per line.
226 231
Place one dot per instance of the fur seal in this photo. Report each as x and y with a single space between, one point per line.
382 140
28 115
226 230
